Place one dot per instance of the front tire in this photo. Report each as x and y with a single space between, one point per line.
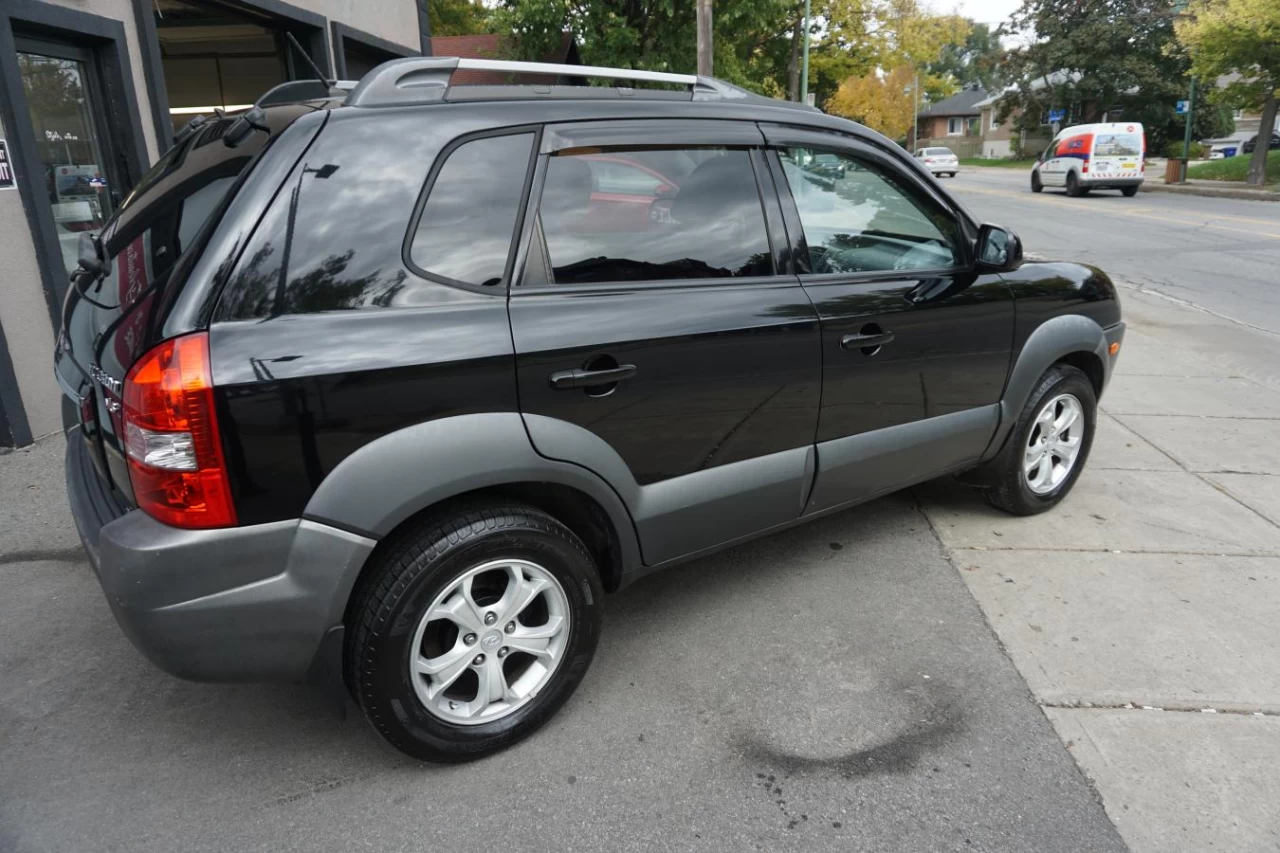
1036 185
1049 445
472 630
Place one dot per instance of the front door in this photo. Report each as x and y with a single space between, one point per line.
656 341
915 345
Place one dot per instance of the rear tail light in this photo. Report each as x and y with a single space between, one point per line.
1085 168
171 436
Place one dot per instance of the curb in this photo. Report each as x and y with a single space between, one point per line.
1211 192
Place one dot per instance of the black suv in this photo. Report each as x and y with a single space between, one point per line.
387 387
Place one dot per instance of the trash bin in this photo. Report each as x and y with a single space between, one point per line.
1175 170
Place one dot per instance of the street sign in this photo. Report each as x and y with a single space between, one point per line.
1182 107
1057 115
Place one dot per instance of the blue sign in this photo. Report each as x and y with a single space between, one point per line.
1057 116
1182 108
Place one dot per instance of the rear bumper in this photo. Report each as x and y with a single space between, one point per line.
1110 183
237 604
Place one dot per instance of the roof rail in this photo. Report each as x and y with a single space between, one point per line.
425 79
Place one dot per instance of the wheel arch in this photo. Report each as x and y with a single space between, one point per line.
1066 339
394 480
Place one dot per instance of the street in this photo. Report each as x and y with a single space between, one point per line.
918 673
1219 254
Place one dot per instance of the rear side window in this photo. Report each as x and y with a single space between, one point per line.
653 214
465 231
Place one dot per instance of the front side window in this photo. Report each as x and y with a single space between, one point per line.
867 219
467 224
653 214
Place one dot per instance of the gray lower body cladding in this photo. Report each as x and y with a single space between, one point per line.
237 604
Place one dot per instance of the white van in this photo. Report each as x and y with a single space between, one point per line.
1093 157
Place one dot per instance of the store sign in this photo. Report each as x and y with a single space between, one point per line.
7 179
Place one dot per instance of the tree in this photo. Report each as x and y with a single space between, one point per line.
1096 58
1239 38
882 103
975 61
857 37
457 17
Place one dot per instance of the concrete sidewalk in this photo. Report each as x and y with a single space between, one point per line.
1144 612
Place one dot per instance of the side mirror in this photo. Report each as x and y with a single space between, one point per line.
998 249
87 254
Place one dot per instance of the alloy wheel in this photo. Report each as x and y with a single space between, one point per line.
489 642
1057 434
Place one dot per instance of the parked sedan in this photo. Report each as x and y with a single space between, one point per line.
939 160
1252 143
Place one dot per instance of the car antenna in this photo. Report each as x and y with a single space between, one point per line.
316 68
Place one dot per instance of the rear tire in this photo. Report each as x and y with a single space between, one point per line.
439 619
1021 485
1073 185
1128 192
1036 186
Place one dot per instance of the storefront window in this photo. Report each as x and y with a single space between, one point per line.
67 146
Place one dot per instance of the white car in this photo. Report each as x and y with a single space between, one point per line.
939 161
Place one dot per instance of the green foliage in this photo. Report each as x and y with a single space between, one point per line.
975 61
1235 169
1173 149
1238 37
751 36
756 41
1098 56
457 17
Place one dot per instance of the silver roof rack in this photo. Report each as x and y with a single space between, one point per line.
426 79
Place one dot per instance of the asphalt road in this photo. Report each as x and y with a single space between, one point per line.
832 688
1222 255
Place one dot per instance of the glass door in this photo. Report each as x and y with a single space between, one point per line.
80 174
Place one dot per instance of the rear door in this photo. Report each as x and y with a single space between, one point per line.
1117 152
915 345
674 352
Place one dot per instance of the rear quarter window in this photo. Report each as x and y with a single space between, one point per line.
465 230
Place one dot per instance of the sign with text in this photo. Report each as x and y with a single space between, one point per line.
7 179
1056 115
1182 107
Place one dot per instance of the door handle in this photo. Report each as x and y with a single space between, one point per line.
565 379
870 341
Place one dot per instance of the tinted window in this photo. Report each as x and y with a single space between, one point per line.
467 224
703 221
860 218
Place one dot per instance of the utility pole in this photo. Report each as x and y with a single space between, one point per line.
804 67
915 115
704 37
1186 136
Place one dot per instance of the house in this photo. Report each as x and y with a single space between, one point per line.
954 116
997 136
491 46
